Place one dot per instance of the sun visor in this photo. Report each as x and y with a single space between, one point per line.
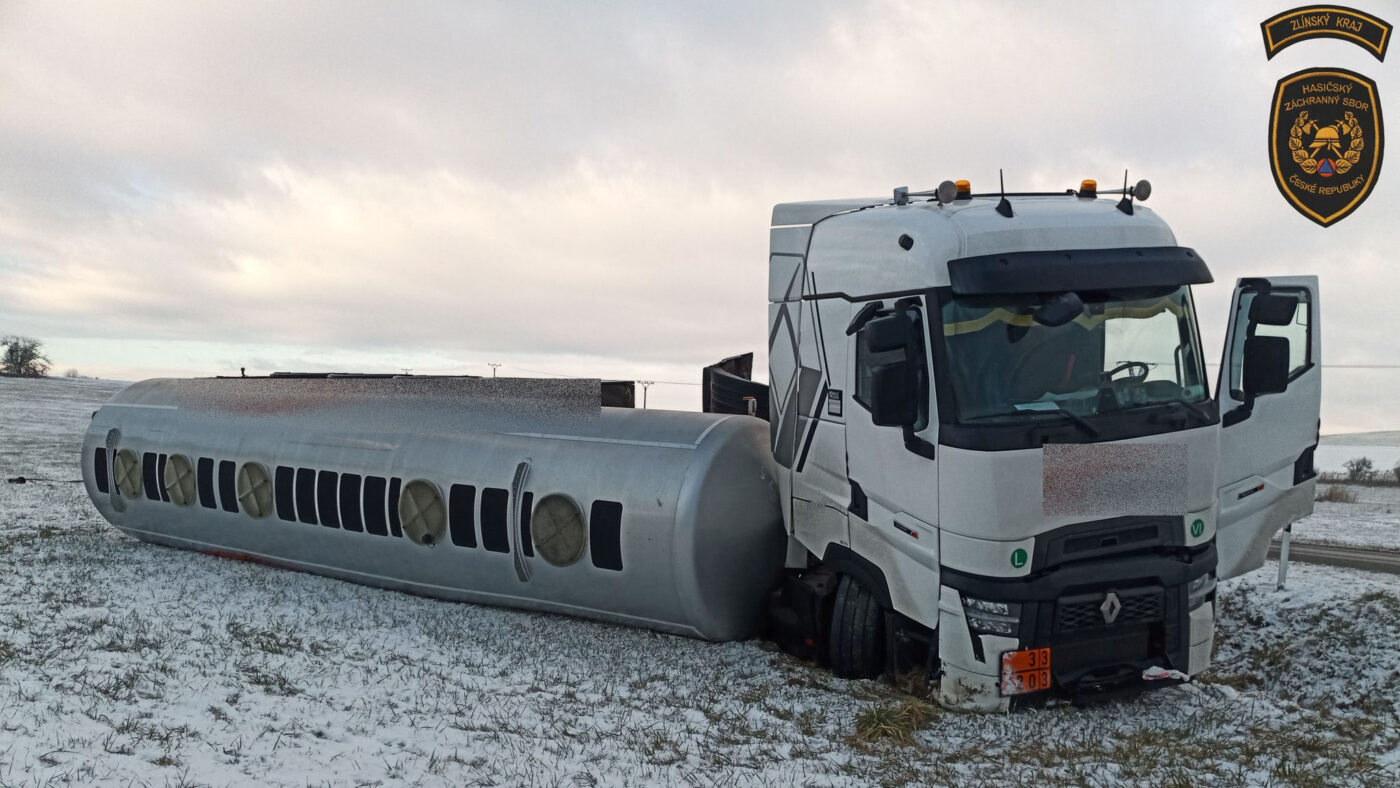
1077 269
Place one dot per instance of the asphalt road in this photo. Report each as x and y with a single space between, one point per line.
1333 555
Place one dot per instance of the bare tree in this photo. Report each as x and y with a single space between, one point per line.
1360 469
23 357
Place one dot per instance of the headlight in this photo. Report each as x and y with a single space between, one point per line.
1200 588
993 618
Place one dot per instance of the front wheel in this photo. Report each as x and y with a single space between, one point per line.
857 643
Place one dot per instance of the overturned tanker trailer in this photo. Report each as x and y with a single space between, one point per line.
992 452
523 493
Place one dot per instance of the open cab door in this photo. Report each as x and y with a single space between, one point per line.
1270 396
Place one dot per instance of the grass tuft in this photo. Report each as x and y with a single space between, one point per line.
895 723
1336 493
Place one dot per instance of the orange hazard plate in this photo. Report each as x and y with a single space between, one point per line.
1025 671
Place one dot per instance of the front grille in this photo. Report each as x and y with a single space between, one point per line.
1084 611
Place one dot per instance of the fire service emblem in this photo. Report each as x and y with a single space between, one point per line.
1326 141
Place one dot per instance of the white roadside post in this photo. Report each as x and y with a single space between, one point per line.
1283 555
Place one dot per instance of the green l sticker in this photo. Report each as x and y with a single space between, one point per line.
1198 527
1018 557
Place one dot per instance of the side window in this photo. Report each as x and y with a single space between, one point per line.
1297 332
867 360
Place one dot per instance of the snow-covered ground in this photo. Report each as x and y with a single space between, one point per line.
1373 520
123 662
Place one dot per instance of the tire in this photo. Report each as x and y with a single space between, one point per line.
857 642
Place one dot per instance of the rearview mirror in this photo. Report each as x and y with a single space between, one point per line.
1058 310
892 332
1265 365
1273 310
893 401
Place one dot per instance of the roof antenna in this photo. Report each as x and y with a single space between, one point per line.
1004 207
1126 204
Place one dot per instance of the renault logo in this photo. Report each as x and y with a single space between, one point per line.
1110 607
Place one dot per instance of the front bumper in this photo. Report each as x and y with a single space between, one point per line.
1096 644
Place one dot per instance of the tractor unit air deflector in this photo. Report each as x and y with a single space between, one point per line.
1069 270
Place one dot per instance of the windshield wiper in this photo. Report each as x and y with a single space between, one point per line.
1078 420
1074 418
1191 407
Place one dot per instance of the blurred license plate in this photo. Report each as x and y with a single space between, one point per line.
1027 670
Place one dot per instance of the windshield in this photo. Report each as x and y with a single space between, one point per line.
1074 354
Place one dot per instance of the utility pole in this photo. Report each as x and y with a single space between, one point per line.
645 384
493 366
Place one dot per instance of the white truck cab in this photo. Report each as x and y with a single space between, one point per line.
999 454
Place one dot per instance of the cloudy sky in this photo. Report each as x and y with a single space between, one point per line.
584 188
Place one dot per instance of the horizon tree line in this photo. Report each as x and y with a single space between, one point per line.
23 357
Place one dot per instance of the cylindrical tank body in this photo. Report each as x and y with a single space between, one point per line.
453 488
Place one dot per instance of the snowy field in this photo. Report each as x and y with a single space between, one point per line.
122 662
1373 520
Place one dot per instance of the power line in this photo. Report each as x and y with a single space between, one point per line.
1336 366
557 375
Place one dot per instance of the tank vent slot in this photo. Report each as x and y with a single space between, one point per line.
350 502
326 502
228 486
283 493
306 495
558 530
179 479
421 512
148 476
395 525
495 535
375 523
99 470
605 534
160 478
461 503
127 470
205 479
254 490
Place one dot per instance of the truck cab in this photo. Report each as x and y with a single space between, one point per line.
999 452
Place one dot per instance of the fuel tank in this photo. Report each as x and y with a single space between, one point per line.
521 493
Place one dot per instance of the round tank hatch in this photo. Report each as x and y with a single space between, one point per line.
421 511
126 469
558 530
179 479
254 490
